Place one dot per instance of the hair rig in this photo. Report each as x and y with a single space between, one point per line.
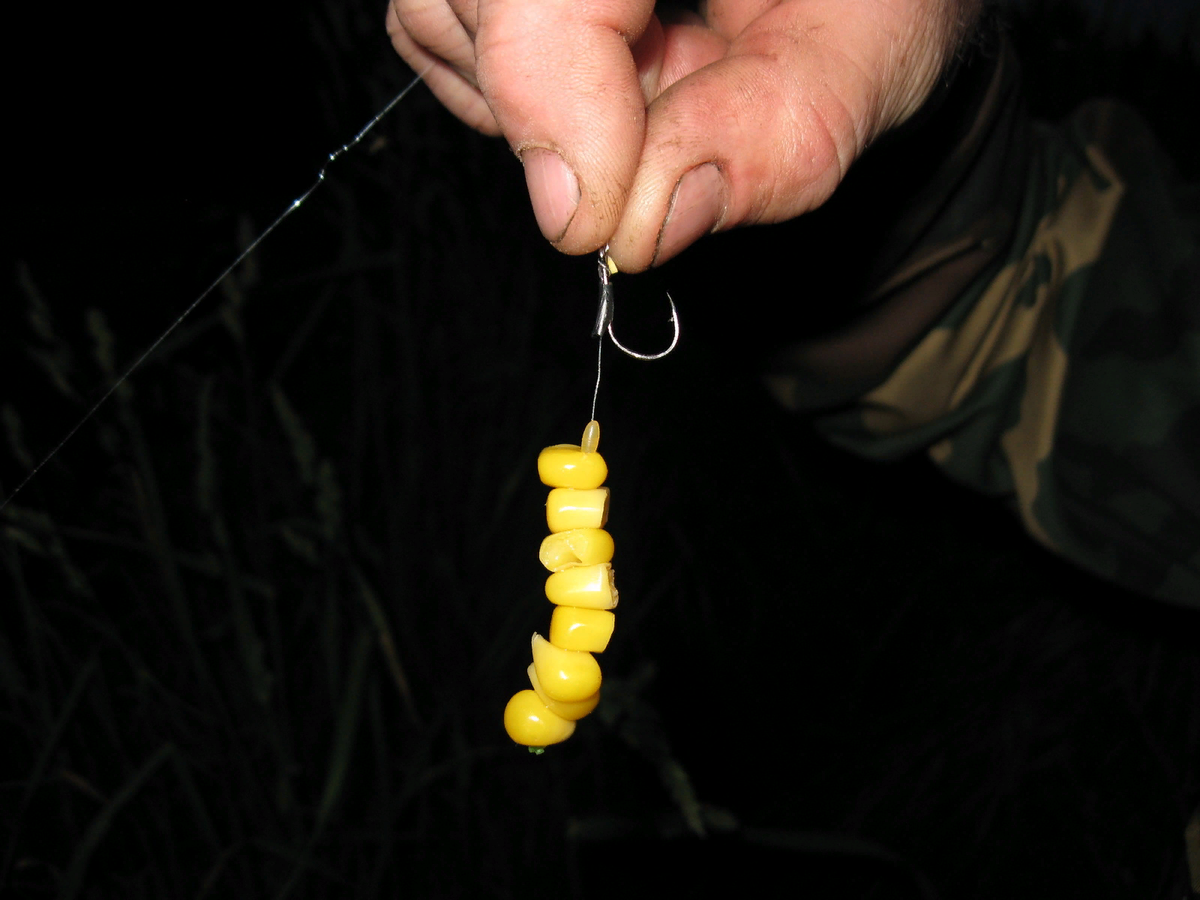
565 678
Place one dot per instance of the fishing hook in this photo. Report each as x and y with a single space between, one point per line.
604 316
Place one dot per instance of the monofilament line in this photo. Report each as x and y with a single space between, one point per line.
295 204
599 360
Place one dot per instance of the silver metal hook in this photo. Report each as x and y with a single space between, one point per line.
604 315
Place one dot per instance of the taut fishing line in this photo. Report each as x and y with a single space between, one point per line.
295 204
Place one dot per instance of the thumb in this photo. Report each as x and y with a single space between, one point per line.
563 85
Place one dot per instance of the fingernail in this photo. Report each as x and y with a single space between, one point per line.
553 190
695 208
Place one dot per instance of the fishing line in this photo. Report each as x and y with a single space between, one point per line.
599 366
295 204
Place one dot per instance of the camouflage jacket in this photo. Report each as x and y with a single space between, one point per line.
1036 331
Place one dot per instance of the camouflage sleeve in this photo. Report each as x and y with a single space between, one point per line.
1040 340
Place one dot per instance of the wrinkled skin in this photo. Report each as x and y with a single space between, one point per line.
647 134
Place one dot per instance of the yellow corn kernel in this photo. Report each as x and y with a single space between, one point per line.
530 723
589 587
577 547
569 466
576 709
568 508
565 675
573 628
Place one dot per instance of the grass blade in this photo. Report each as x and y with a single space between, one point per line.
388 644
347 726
43 761
97 831
343 750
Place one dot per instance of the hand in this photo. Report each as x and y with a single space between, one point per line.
647 135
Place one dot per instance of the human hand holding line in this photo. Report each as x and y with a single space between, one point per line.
647 134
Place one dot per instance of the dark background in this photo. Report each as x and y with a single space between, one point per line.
256 646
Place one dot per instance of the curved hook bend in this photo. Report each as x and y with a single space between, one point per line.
649 356
604 316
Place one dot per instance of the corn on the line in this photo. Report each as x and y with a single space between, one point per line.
577 547
569 508
564 676
572 628
569 466
576 709
590 587
529 722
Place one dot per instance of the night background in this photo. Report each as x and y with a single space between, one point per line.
260 616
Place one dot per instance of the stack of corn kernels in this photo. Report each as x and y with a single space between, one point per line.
578 552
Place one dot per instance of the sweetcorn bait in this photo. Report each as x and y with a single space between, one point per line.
564 676
577 547
570 508
590 587
581 629
569 466
529 722
575 709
